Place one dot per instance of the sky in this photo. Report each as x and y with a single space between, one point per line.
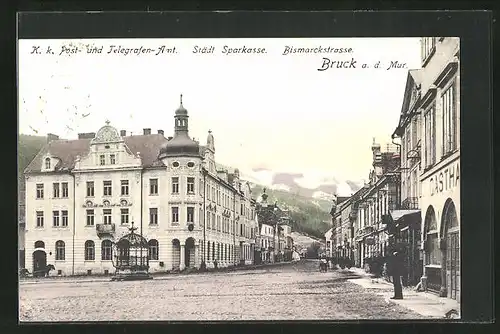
265 110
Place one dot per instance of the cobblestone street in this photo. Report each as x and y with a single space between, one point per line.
289 292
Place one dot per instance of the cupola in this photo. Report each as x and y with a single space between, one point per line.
181 144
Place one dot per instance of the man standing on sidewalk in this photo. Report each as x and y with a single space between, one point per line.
396 271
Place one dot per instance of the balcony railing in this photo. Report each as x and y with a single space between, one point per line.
410 203
105 228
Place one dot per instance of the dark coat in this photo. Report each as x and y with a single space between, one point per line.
395 265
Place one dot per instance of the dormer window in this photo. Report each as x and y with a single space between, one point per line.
190 164
47 163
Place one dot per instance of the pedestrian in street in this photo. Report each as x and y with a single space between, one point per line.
396 271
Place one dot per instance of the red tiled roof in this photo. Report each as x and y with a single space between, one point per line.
68 150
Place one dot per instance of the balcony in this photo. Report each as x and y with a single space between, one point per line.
105 229
410 203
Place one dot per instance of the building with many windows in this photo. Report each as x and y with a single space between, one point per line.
374 203
439 106
82 195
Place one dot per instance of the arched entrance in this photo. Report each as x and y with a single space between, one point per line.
432 269
451 253
39 260
189 253
176 254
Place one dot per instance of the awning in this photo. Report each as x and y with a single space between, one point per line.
398 214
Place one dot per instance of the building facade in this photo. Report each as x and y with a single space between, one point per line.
374 203
82 195
439 105
407 216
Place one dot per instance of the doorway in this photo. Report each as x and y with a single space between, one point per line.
452 251
39 260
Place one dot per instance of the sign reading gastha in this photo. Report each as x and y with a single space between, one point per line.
446 179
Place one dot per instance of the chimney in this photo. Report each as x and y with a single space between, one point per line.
160 132
147 131
123 133
51 137
86 135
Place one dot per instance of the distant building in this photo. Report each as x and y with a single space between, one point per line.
328 242
375 202
83 194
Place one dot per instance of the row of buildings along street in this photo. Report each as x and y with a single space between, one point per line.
411 201
83 195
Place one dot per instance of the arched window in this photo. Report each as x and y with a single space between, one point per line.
153 249
60 256
106 250
89 250
39 244
432 252
47 163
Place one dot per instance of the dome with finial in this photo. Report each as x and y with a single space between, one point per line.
181 110
181 144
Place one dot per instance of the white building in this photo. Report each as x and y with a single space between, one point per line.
82 195
329 244
439 104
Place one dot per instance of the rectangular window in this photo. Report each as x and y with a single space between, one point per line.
153 216
107 216
39 219
153 186
64 215
39 191
213 221
107 188
428 45
241 209
124 187
175 215
90 189
218 223
90 217
102 159
190 214
55 194
190 185
449 103
208 221
124 216
430 136
65 191
112 159
414 133
175 185
55 218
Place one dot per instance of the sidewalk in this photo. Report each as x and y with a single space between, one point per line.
156 275
424 303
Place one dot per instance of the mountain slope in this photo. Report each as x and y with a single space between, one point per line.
308 217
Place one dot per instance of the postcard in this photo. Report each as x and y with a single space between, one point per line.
239 179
